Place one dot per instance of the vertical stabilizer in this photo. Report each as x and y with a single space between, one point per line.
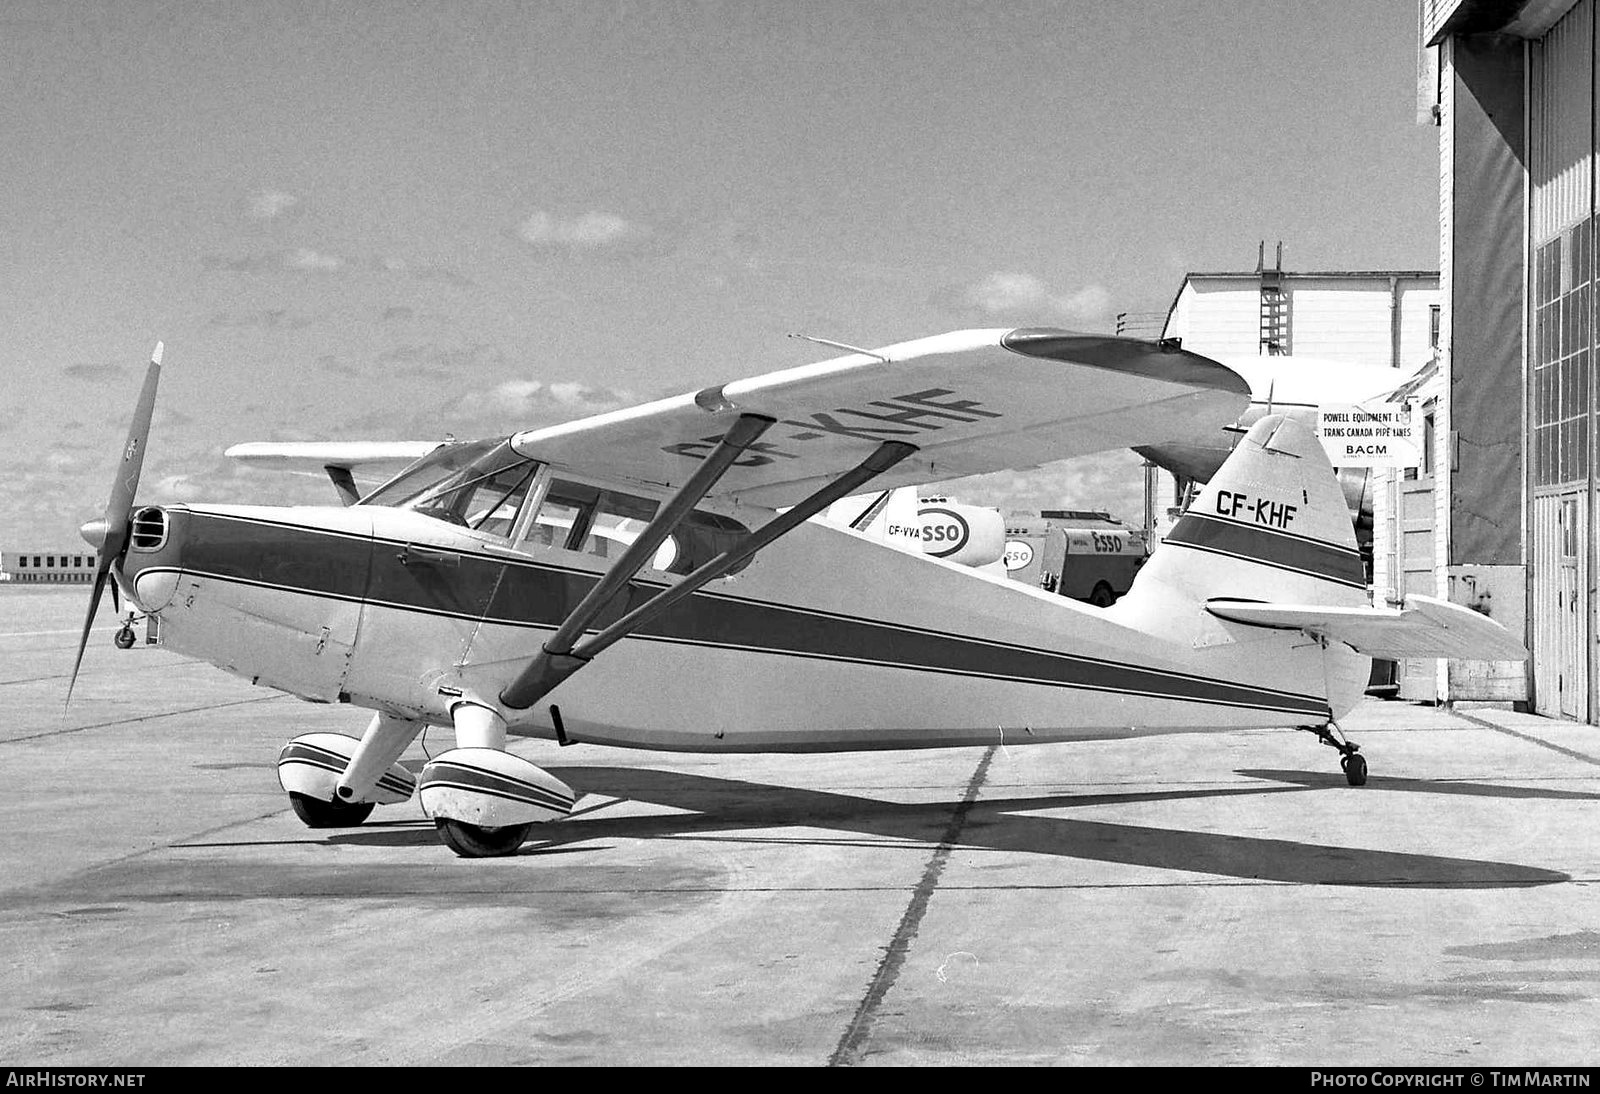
1271 525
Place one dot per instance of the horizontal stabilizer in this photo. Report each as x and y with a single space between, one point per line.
386 457
1424 627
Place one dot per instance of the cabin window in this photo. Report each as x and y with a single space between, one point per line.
604 523
480 486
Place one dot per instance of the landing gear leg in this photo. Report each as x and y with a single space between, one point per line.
479 727
1350 759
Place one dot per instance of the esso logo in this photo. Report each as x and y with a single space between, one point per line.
1018 554
944 531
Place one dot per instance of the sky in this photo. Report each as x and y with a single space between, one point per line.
388 220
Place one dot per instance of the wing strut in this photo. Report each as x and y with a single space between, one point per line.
529 686
560 658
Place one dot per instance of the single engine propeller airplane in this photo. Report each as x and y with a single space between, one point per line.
654 578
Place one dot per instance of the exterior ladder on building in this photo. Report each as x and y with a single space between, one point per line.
1274 304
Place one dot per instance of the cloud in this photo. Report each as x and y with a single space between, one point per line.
1024 296
270 204
97 374
431 272
304 258
298 260
459 365
266 319
591 233
444 275
1110 481
525 404
330 363
525 400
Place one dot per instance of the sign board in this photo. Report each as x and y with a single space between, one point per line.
1379 435
1018 554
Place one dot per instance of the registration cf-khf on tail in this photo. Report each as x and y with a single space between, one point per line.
661 577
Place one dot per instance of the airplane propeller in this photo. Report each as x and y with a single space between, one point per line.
109 534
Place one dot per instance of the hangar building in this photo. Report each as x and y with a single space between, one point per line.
1512 86
47 567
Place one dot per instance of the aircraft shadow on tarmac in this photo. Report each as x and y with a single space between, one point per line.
1317 780
717 805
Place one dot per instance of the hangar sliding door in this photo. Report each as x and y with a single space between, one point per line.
1418 677
1559 596
1560 369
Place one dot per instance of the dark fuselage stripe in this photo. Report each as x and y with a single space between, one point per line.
1270 547
456 776
526 593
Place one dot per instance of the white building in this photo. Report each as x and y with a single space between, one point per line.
1373 317
1366 317
47 567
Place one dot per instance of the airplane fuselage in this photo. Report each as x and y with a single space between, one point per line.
827 640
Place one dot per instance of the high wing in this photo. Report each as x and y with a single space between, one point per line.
1425 627
969 402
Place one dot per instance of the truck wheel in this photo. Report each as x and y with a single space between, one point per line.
1102 597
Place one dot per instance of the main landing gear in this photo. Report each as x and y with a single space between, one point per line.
1350 759
317 813
481 798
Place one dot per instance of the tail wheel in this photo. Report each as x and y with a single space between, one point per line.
124 639
476 841
1103 596
1355 768
317 813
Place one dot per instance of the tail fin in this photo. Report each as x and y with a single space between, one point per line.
1271 525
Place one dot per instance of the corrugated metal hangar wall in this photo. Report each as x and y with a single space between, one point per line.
1516 103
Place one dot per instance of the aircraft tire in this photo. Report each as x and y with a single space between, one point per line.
476 841
1355 769
316 813
124 639
1103 596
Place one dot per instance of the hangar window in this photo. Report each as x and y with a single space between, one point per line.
596 521
22 562
1563 277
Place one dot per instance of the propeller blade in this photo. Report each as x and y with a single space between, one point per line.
119 507
109 535
100 574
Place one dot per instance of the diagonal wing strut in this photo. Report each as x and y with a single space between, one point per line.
563 655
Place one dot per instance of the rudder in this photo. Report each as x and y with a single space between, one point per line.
1271 525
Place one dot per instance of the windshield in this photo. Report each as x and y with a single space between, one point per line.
478 485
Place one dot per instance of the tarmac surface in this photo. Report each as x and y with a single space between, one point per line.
1201 899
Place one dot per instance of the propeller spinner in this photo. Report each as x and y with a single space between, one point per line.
109 534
